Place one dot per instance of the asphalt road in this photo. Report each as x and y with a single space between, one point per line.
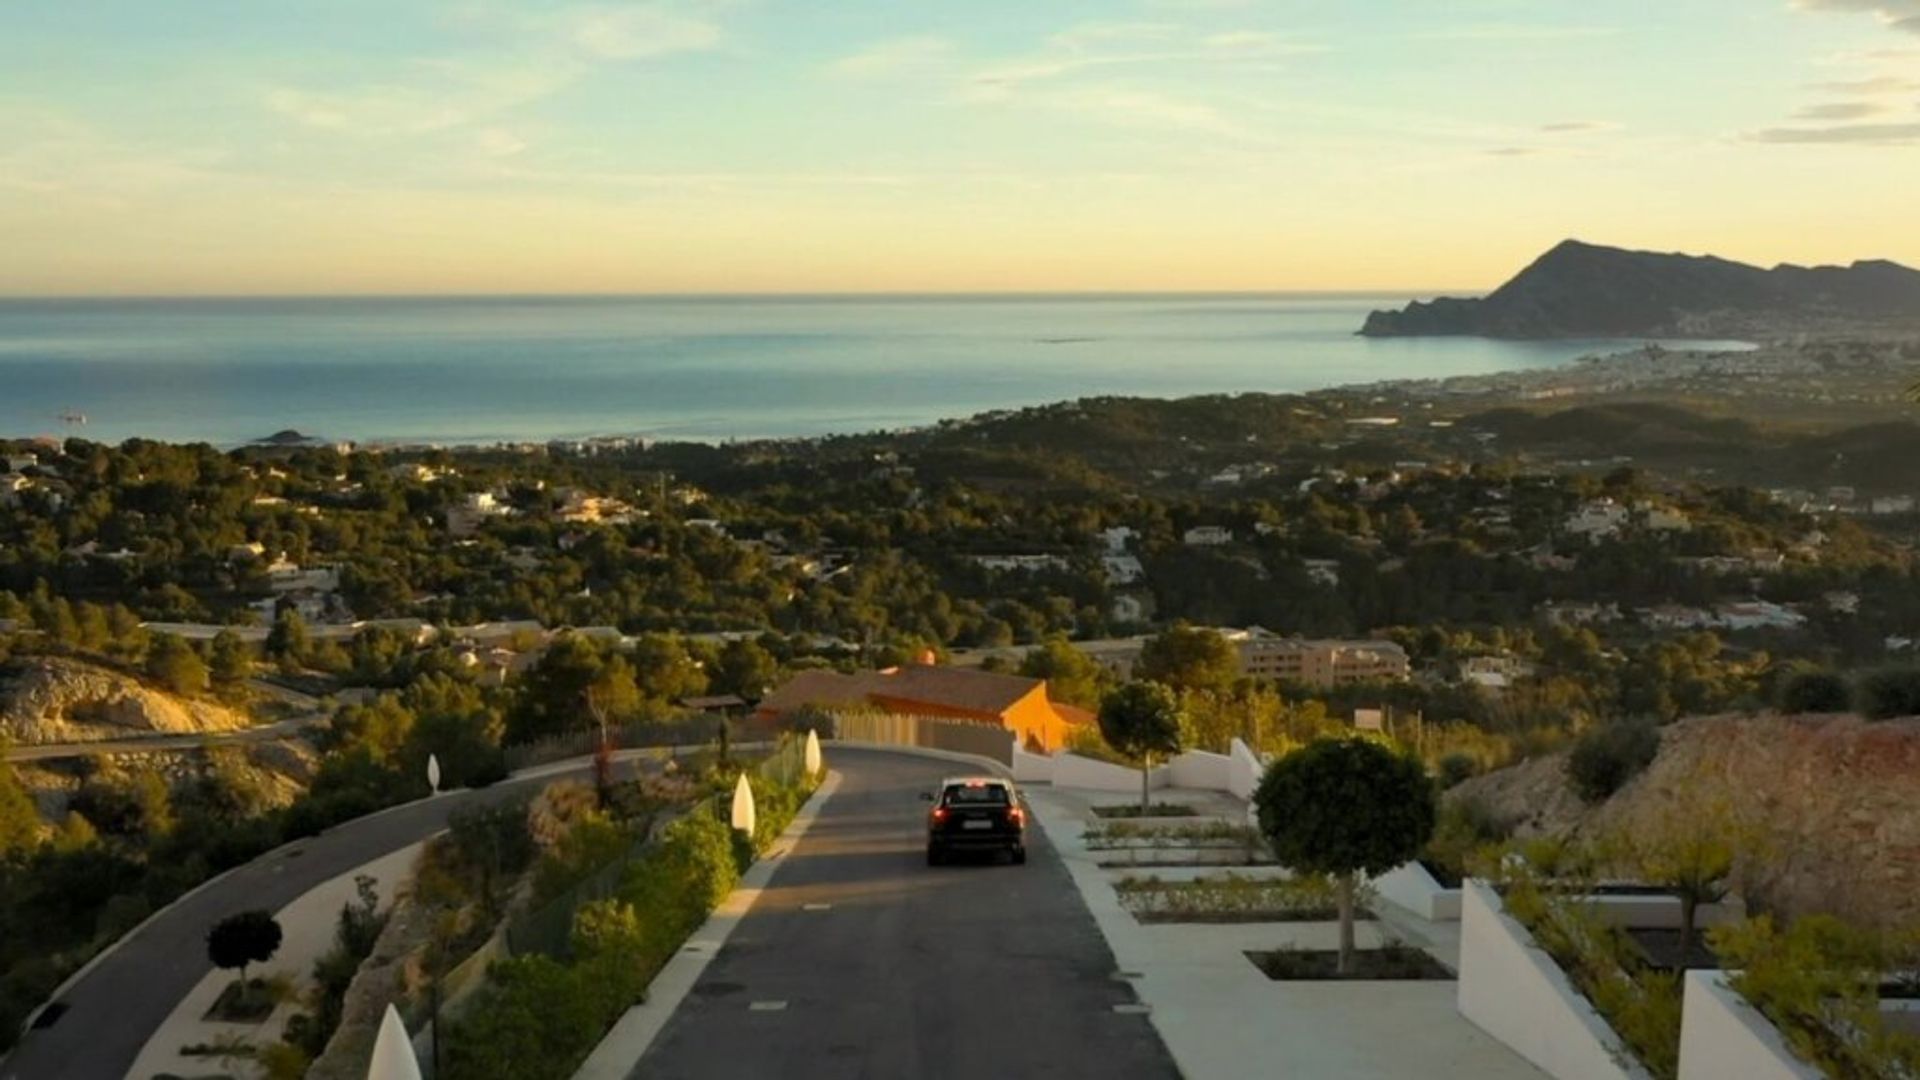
977 970
113 1010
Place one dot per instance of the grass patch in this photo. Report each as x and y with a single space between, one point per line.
1159 809
1128 834
1394 961
1234 899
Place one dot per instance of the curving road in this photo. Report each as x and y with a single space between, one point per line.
113 1009
976 970
193 740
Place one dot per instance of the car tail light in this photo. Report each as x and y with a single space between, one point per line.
939 814
1016 815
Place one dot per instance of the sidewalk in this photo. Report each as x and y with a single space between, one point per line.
308 928
1222 1017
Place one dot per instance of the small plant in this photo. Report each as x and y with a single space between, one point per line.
1235 898
1393 960
1608 756
1466 830
1159 809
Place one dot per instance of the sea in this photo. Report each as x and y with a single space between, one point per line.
512 369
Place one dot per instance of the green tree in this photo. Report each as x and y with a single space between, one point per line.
1814 691
1139 720
288 642
552 696
1606 757
19 818
745 668
1189 658
249 937
1072 676
664 670
1691 849
175 665
231 663
1346 807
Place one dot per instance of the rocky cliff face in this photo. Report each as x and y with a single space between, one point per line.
1584 290
47 700
1835 798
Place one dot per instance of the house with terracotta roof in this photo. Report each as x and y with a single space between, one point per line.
1015 702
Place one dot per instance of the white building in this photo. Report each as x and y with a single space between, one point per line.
1324 572
1117 539
1123 569
1666 518
286 577
1759 615
1207 536
466 518
1597 519
1023 564
1892 504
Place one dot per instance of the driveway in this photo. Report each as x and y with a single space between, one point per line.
859 960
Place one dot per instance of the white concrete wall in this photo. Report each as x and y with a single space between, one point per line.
1724 1038
1200 769
1513 991
1032 768
1243 771
1072 770
1412 887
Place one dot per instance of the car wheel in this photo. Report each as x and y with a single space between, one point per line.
1019 856
935 856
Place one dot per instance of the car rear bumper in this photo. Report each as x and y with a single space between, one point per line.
961 840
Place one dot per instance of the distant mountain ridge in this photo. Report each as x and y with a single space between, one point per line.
1585 290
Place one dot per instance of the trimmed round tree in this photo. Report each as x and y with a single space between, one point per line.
250 937
1141 719
1345 807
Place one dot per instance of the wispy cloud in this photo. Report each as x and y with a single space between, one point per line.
1879 84
1516 32
534 56
894 56
1575 127
1892 134
1841 110
1899 14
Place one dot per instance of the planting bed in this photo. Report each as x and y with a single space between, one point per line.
1397 963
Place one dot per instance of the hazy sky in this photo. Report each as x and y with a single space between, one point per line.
247 146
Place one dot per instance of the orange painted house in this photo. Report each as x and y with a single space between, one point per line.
1014 702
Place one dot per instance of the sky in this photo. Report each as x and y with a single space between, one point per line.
232 147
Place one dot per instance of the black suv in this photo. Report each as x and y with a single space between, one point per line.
976 813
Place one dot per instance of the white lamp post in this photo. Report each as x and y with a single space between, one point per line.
393 1051
743 805
433 772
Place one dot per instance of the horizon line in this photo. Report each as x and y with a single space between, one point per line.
897 294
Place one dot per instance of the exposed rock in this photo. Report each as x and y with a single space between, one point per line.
1837 800
1584 290
48 700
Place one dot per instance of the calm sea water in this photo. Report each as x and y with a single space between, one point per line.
484 370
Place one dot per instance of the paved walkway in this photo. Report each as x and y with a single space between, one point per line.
858 960
308 925
1222 1018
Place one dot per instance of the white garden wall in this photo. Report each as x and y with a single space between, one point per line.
1200 769
1072 770
1413 888
1513 991
1243 771
1724 1038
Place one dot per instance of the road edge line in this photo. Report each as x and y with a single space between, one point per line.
622 1047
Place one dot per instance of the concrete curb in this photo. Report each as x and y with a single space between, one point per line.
622 1048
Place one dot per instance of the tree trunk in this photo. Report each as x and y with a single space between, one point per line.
1345 883
1146 798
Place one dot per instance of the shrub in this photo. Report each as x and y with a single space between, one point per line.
1457 768
1818 981
1888 692
250 937
1814 692
1608 756
1141 719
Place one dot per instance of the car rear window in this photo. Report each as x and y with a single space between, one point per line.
983 795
